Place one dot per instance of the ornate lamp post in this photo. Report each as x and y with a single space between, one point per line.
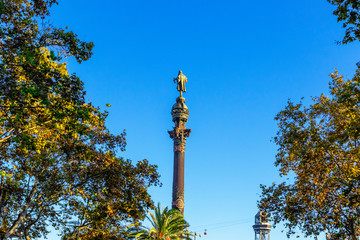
180 114
262 226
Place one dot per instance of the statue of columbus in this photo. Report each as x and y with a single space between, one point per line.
181 80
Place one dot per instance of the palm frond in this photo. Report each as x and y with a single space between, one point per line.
166 224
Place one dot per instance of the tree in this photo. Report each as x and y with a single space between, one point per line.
348 12
104 215
58 161
26 74
319 149
166 225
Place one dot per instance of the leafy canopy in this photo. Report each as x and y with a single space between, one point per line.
347 12
319 151
58 161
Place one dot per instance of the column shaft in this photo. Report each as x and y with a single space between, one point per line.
178 181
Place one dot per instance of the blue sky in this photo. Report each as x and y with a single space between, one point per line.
243 59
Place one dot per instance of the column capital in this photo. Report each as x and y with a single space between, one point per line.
179 136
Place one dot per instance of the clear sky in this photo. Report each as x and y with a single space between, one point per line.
243 59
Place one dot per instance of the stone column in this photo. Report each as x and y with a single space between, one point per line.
179 134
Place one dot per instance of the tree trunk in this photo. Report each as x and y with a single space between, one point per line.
22 215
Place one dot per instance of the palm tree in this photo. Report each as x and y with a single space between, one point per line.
166 225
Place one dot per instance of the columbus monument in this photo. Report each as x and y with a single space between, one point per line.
180 114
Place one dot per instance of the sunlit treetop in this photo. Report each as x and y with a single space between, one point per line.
319 149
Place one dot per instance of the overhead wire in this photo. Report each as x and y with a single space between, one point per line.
214 226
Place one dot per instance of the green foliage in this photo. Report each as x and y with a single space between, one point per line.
166 225
347 12
58 161
319 146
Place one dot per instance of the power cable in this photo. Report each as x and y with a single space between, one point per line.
214 226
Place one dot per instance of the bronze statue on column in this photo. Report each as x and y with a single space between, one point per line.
179 134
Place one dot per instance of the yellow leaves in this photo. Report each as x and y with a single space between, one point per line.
104 190
110 210
44 61
137 224
351 115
